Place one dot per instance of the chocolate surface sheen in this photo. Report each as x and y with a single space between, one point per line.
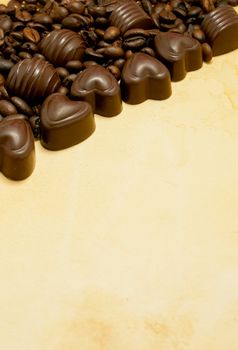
65 123
221 29
17 148
144 77
179 53
128 14
100 89
32 79
61 46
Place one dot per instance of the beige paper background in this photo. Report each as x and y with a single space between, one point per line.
130 239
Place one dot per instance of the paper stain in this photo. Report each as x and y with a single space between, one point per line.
103 321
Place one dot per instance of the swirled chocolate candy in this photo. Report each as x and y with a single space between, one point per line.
32 79
64 123
179 53
61 46
130 15
100 89
17 148
144 77
221 29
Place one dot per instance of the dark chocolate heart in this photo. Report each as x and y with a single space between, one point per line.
98 86
64 122
144 77
180 53
17 148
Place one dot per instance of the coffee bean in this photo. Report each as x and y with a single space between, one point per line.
2 80
74 22
167 17
7 108
147 6
76 7
5 65
42 18
74 66
136 31
22 106
113 52
3 92
67 81
149 51
119 63
39 55
63 90
2 9
1 37
199 35
97 55
17 26
23 16
97 11
24 54
31 35
115 71
194 11
111 33
63 72
30 47
5 23
206 52
134 43
18 36
59 13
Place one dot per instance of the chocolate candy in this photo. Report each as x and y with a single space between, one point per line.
98 86
17 148
61 46
32 79
64 123
144 77
221 29
179 53
130 15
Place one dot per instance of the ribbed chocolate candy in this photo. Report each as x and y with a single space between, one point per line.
130 15
221 29
61 46
32 79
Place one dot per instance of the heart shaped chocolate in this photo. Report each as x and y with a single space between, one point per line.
180 53
17 148
99 87
64 122
144 77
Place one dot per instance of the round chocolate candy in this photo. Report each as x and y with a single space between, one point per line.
33 79
61 46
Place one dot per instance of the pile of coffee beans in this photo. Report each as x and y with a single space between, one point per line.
104 37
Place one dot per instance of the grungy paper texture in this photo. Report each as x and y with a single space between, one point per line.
130 239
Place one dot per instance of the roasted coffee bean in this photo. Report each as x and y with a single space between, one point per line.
5 65
147 6
167 17
149 51
180 12
101 22
22 106
31 35
206 52
63 90
113 52
102 44
97 55
58 13
7 108
99 32
17 26
1 37
115 71
199 35
30 47
194 11
2 9
181 28
74 66
128 54
74 22
63 72
134 43
23 16
15 58
39 55
158 8
41 28
89 36
136 31
42 18
111 33
3 92
90 63
119 63
5 23
17 36
24 54
8 51
67 81
2 80
76 7
97 11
